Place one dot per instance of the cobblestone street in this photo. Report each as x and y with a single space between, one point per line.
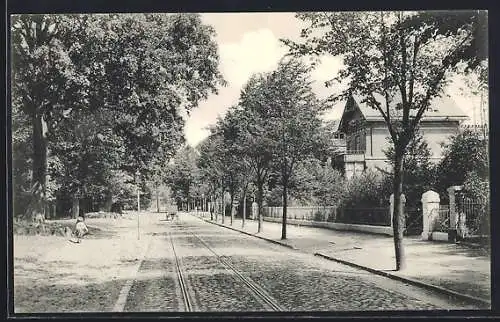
191 265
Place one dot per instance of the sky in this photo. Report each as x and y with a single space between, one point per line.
249 43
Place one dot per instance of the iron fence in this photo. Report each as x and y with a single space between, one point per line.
377 216
308 213
442 221
477 217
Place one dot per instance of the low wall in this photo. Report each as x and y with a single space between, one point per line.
384 230
299 213
440 236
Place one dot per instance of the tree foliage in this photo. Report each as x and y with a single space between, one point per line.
182 174
285 101
137 71
317 183
465 153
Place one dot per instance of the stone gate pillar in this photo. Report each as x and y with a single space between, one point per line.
255 210
403 201
452 230
430 211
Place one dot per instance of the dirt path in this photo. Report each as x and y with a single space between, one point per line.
52 274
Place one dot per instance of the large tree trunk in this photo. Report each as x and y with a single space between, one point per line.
39 167
75 209
285 198
398 219
109 202
260 197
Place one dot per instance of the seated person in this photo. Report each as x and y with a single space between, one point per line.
81 228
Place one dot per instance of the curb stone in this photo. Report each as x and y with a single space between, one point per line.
476 300
250 234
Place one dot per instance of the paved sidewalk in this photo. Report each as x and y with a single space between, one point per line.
456 268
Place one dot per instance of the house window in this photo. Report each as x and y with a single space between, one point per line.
339 136
357 143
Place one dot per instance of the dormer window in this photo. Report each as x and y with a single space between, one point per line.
339 136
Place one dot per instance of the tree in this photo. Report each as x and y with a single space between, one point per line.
157 65
21 160
466 152
292 108
141 68
397 62
211 164
234 164
45 81
419 172
181 175
257 145
317 182
86 157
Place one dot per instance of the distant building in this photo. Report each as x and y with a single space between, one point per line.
366 134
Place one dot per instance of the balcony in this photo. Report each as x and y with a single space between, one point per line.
353 156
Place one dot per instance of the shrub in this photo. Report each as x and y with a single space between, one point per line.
466 153
362 194
366 190
478 189
319 215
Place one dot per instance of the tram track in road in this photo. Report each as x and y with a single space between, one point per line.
186 297
254 289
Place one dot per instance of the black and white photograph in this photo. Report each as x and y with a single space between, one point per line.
249 162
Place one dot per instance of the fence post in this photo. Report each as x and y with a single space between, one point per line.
462 219
452 231
430 211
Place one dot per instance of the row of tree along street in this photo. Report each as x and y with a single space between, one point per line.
97 104
274 136
97 100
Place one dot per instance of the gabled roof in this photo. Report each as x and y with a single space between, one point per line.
442 108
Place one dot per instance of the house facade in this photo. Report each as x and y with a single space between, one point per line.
367 136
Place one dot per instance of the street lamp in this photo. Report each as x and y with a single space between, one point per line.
137 174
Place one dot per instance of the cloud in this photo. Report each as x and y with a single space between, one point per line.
257 51
475 106
328 68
